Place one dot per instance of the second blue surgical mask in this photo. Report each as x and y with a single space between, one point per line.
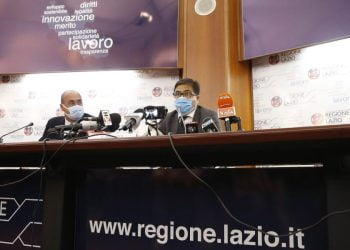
184 105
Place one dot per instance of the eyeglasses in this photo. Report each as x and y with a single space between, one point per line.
186 94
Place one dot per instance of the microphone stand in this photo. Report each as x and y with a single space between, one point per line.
28 125
233 119
154 125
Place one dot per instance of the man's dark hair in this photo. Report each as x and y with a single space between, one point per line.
195 85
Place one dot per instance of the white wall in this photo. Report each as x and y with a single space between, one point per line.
36 97
303 87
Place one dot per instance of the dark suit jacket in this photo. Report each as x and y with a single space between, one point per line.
171 121
55 121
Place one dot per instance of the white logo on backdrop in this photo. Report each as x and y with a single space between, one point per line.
304 87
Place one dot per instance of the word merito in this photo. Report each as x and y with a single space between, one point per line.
83 44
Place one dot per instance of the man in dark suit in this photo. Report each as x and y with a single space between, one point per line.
72 106
186 94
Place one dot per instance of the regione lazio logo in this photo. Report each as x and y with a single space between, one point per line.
28 131
317 119
72 28
276 101
157 91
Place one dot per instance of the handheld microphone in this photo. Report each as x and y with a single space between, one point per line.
74 129
104 118
11 132
106 121
209 126
226 110
115 121
191 127
133 120
83 125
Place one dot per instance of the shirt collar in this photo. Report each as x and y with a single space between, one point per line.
66 122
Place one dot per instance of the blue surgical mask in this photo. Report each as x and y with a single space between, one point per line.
184 105
76 112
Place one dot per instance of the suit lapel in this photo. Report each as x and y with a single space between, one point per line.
197 118
174 123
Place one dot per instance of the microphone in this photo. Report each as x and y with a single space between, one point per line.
191 127
106 121
209 126
83 125
133 119
115 121
28 125
227 111
104 118
73 129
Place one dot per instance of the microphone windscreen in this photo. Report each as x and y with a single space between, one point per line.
208 125
225 100
105 118
225 106
115 118
86 125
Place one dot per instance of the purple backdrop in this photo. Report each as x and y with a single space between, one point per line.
272 26
38 35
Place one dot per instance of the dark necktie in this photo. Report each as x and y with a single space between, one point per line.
180 127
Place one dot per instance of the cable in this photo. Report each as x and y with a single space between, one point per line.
41 166
20 180
182 120
154 125
52 133
32 173
236 218
72 140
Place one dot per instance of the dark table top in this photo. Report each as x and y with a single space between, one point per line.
275 146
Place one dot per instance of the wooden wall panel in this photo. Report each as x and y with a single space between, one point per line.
208 52
240 80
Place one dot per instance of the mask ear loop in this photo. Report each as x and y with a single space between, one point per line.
62 106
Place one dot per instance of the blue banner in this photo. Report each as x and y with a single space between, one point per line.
170 209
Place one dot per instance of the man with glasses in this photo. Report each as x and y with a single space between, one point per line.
186 94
